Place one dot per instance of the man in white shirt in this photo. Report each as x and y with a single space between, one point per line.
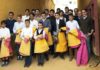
33 22
18 26
26 16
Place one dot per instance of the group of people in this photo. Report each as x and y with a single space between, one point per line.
37 34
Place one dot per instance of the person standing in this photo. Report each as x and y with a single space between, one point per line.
87 27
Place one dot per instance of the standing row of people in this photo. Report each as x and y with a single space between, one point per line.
40 34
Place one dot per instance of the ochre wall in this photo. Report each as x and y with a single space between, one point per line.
18 6
83 4
99 7
46 4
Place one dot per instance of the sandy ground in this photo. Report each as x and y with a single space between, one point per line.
52 64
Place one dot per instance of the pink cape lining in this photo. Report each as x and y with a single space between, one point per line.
82 53
8 44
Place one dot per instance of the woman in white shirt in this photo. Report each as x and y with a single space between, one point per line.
72 34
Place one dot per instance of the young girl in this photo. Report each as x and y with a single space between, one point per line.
25 47
5 50
17 31
41 46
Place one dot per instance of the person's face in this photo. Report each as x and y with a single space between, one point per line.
70 12
37 12
47 12
11 16
79 14
75 10
66 10
57 16
19 19
3 25
31 17
43 16
27 23
84 13
40 26
61 13
71 18
51 13
27 12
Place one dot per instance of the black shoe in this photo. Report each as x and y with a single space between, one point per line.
47 58
55 56
3 64
18 57
62 57
26 65
40 64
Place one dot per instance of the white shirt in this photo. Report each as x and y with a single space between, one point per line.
24 18
26 32
5 33
0 32
72 25
18 25
39 30
34 23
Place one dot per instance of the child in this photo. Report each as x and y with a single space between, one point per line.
73 41
41 46
5 50
17 31
61 46
25 47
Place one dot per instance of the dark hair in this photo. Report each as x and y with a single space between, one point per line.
27 20
85 10
57 13
3 22
11 12
52 10
71 10
43 13
32 14
27 10
66 8
46 10
62 11
71 15
58 9
19 15
33 10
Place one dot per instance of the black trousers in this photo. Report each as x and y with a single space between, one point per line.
51 50
28 59
41 57
17 49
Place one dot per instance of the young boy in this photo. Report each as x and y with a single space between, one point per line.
5 50
73 41
41 46
25 47
61 46
18 26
